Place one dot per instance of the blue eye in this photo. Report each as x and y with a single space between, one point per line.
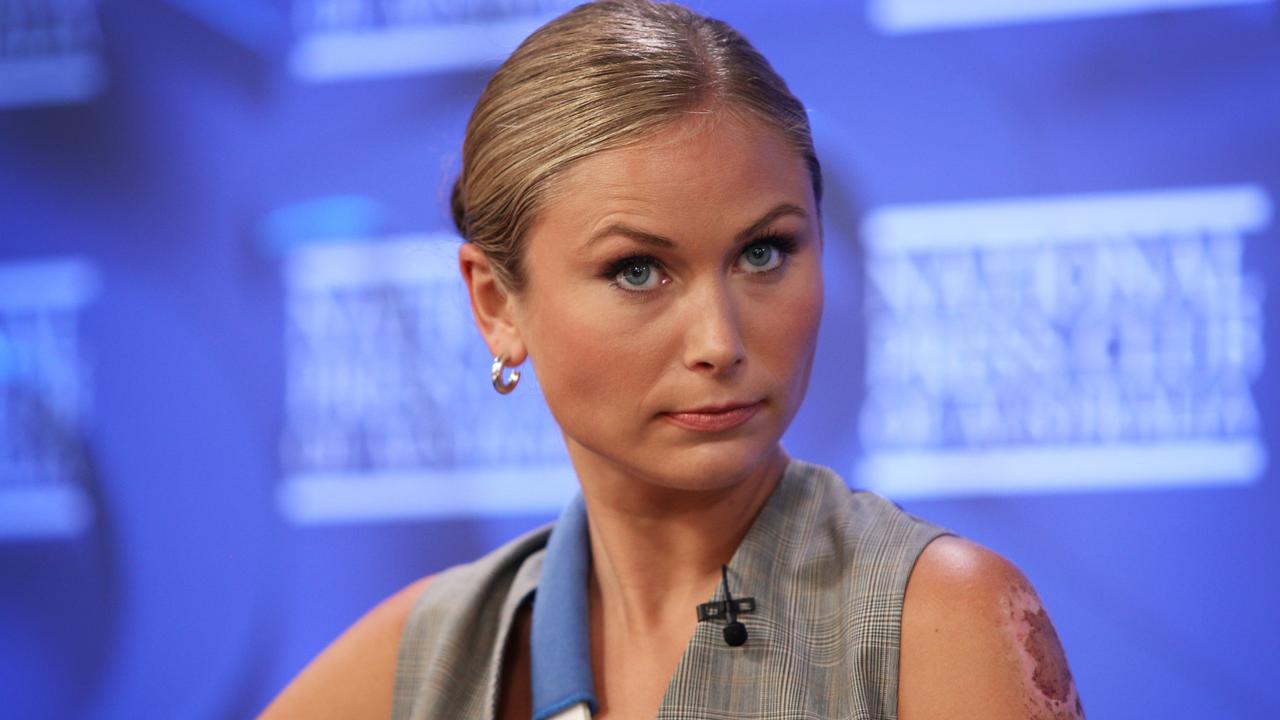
762 257
636 275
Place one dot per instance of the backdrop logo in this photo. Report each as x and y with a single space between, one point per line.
49 52
44 394
389 410
1073 342
905 16
340 39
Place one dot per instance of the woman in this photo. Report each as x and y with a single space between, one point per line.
640 200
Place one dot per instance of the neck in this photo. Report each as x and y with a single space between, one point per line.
656 552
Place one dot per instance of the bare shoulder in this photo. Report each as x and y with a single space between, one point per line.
978 643
355 676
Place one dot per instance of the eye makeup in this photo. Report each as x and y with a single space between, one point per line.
783 243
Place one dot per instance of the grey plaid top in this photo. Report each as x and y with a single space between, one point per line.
827 567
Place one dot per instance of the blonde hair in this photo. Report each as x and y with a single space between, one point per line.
602 76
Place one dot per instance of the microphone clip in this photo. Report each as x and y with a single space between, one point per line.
717 610
735 633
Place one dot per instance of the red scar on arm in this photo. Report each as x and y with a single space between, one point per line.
1052 675
1043 658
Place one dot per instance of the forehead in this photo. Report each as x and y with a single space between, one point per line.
697 170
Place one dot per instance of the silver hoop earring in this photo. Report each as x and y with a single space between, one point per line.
498 384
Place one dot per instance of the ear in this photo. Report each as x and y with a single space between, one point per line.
492 305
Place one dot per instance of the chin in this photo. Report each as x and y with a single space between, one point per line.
710 465
672 459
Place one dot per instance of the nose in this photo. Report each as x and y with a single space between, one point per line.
713 338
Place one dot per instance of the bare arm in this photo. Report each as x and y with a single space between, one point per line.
977 643
355 676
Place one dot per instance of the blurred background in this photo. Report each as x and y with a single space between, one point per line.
242 399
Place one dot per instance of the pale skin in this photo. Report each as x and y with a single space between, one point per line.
720 312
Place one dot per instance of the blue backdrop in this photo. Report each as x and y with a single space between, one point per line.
241 399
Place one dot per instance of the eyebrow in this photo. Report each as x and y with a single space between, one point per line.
648 238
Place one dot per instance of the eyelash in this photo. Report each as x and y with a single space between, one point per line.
784 244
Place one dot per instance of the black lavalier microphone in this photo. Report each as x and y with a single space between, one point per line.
735 633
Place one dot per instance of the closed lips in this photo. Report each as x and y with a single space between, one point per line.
722 417
714 409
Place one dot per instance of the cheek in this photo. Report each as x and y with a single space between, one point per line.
788 331
591 362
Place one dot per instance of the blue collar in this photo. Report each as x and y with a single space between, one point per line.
560 639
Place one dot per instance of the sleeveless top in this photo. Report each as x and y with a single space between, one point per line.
827 568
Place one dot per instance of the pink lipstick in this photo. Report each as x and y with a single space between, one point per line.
713 419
